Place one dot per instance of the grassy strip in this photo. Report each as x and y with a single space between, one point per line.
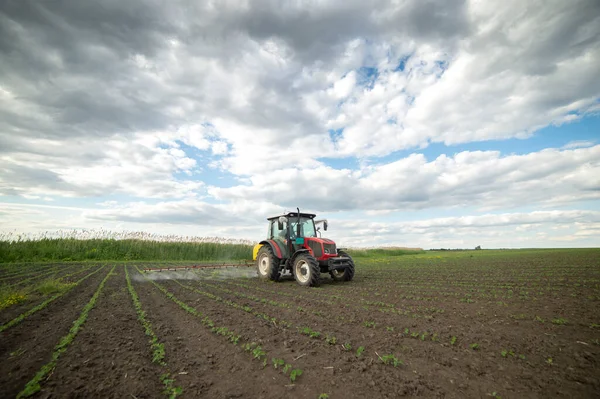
253 348
42 305
23 269
33 385
70 249
158 349
36 276
12 296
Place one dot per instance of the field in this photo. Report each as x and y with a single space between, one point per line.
470 324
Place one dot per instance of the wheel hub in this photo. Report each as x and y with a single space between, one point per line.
302 271
263 265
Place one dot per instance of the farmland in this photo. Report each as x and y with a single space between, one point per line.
521 323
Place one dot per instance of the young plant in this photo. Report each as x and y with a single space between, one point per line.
277 362
359 351
474 346
390 359
295 374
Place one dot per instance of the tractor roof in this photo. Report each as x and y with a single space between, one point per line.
294 215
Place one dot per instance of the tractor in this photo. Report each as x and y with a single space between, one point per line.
294 245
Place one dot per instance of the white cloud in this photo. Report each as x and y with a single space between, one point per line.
578 144
484 179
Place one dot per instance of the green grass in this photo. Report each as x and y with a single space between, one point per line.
53 286
70 249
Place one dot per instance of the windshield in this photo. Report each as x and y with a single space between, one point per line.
307 227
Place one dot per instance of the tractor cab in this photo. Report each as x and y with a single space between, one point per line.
295 242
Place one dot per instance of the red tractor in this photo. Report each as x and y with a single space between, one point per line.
292 245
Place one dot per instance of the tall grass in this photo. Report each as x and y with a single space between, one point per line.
82 245
104 245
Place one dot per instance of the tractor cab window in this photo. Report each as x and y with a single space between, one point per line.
275 232
307 227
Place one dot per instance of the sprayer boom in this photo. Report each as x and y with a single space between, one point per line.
246 263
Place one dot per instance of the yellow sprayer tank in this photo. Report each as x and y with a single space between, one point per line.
255 251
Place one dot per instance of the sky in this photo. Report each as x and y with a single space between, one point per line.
432 124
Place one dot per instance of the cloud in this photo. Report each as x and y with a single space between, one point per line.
270 77
139 167
483 179
515 230
191 212
578 144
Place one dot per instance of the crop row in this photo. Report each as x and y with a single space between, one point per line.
48 301
158 349
329 338
256 351
33 385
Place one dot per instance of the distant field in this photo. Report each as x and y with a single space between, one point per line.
465 324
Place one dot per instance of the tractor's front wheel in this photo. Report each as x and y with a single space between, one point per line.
307 271
267 264
343 275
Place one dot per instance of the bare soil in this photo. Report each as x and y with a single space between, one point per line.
515 324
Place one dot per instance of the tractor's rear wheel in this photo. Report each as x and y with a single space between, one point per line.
343 275
307 271
267 264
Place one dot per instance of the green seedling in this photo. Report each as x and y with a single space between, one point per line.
258 353
295 374
359 351
277 362
331 340
391 359
323 396
453 340
286 368
559 321
474 346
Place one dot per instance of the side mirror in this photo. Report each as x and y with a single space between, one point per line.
281 221
325 225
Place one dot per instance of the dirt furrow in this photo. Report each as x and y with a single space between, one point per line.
319 360
204 364
33 299
27 346
110 357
